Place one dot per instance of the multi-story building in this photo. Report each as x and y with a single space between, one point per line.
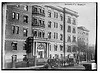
45 24
70 31
83 36
83 39
16 24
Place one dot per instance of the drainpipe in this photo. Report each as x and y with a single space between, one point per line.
64 33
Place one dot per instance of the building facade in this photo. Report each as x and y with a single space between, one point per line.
17 28
83 36
45 24
83 39
71 31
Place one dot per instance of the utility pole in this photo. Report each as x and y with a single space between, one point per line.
64 33
34 49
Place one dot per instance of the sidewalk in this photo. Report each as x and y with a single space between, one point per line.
32 67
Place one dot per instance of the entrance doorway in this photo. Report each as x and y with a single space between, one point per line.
40 53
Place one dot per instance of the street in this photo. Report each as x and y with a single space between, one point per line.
75 67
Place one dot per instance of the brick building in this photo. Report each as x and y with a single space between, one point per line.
45 24
17 28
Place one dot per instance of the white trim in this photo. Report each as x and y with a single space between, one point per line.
4 28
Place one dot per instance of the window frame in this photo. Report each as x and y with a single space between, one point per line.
25 34
25 18
14 45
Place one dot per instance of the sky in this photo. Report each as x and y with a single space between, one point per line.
87 16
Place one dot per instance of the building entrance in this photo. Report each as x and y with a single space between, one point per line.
41 48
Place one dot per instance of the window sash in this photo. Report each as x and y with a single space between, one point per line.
14 46
69 39
17 16
13 15
25 32
69 29
69 20
26 19
17 30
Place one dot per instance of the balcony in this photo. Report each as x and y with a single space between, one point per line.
38 25
38 10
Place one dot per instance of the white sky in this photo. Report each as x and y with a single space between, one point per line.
87 16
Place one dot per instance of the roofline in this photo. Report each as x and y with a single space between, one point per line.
83 29
66 10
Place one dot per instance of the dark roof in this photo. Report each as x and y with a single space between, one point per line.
83 28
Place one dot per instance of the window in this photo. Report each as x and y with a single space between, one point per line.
40 22
69 39
74 49
49 13
61 48
55 15
35 21
61 17
17 5
50 47
25 32
69 49
13 15
26 7
61 37
43 12
61 55
61 27
25 19
40 10
24 44
14 58
74 31
39 34
14 45
74 39
13 29
35 10
44 23
49 24
74 21
56 25
55 47
17 30
43 34
35 33
69 29
49 35
56 35
69 20
17 16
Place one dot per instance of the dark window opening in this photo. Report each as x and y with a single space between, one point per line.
25 19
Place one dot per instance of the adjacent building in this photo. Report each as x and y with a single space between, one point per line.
83 39
83 36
